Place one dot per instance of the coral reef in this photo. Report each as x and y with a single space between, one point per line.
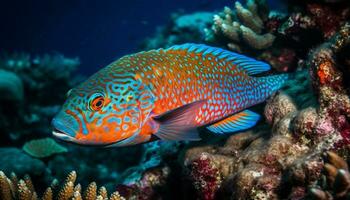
335 182
12 188
328 82
42 148
289 158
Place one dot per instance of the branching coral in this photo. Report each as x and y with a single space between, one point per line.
42 148
12 189
244 25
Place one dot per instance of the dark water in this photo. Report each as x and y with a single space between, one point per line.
96 32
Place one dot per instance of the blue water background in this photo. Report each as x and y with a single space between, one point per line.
96 31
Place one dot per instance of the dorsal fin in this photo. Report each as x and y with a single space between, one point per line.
251 65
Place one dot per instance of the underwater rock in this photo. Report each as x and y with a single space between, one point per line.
206 176
11 86
15 160
146 187
328 82
42 148
12 188
304 124
277 107
253 169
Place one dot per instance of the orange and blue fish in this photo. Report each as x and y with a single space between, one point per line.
166 94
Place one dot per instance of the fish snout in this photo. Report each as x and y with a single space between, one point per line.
62 129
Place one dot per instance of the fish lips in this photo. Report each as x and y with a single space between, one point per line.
63 136
62 131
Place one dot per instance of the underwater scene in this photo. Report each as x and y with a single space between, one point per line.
158 100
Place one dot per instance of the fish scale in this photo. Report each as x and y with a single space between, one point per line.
199 83
166 94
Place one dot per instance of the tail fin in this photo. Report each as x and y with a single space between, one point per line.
270 84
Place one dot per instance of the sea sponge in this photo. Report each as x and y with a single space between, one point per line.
11 86
41 148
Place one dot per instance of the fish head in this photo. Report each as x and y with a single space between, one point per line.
103 111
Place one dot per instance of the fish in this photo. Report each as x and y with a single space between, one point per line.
166 94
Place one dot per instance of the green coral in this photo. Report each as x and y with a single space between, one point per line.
42 148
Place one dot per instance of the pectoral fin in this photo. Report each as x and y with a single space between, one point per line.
237 122
178 124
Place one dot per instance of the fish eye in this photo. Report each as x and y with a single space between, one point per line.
97 102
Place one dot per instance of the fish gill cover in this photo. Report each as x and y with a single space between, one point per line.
297 151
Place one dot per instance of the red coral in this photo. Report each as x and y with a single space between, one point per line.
323 73
205 176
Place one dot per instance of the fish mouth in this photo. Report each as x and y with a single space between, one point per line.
66 138
63 136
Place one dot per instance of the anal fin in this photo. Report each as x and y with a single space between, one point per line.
237 122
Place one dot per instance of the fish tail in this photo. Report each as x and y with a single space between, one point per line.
270 84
